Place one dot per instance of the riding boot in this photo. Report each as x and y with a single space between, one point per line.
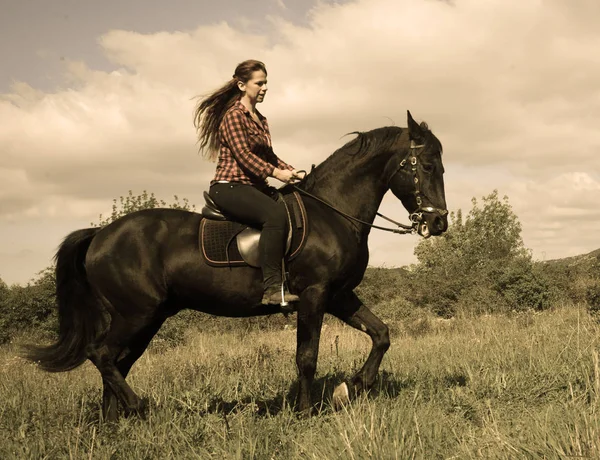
271 248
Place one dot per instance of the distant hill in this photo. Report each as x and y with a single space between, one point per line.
590 259
575 276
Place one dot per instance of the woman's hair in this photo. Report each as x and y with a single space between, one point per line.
211 109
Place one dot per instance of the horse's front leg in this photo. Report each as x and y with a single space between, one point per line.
350 309
310 320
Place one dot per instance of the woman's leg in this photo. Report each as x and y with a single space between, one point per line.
248 205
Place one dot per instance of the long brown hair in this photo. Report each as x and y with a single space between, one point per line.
211 109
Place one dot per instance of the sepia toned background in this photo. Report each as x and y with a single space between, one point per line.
96 99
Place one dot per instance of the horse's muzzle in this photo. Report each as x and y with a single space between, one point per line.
430 223
439 224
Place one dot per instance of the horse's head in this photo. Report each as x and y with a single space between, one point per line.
417 179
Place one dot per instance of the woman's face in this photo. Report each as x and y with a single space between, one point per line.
255 88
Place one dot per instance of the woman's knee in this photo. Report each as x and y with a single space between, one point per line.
276 217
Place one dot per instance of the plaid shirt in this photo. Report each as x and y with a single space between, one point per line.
246 155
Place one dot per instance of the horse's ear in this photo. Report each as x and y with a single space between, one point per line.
415 131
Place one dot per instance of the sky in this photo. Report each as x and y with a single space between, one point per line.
97 98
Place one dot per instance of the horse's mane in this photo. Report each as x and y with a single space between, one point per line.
363 144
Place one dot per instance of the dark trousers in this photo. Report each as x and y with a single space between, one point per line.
251 206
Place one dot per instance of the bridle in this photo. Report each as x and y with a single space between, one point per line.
416 217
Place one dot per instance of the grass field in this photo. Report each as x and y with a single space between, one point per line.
506 387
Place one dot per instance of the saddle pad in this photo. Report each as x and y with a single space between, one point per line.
218 242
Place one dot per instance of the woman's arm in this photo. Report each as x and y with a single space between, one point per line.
282 164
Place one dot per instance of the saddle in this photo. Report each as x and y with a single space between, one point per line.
225 243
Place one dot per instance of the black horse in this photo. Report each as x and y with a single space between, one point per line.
117 284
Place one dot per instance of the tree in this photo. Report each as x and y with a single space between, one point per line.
489 233
131 203
3 289
482 258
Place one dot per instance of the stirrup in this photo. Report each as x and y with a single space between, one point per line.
279 297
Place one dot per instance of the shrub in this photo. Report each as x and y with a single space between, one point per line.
31 306
480 264
383 285
481 300
593 299
522 285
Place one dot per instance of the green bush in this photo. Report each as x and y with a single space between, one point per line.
481 300
480 265
382 285
573 279
31 306
523 286
593 298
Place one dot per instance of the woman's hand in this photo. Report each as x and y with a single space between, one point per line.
285 175
300 174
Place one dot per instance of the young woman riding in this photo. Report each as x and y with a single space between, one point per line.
232 130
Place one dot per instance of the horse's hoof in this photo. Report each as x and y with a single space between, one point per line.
140 410
341 396
305 414
143 408
110 417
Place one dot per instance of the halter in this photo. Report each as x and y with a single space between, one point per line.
416 217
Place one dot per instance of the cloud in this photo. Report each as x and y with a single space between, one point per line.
509 87
280 4
559 215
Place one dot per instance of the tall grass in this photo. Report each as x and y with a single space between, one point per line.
494 387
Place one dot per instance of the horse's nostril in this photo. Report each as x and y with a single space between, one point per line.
439 224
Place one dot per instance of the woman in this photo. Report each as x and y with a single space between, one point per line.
231 129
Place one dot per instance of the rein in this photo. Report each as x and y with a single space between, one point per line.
415 217
404 228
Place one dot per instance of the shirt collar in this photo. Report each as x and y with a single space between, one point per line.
241 106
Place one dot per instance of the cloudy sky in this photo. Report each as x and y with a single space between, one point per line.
96 99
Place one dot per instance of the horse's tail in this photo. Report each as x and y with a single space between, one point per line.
79 311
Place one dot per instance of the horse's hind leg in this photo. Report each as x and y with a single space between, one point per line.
128 357
122 335
350 309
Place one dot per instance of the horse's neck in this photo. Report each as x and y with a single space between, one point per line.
350 188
